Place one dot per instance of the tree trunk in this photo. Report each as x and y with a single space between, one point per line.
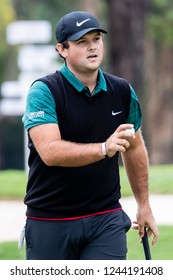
127 40
160 103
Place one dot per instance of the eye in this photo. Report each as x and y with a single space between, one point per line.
81 41
98 38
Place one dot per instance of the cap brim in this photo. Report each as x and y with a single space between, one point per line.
80 34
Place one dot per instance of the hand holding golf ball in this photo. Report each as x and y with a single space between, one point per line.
119 141
131 130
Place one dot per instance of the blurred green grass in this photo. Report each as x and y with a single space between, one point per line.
162 250
12 184
160 180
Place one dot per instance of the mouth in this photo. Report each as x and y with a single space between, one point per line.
92 56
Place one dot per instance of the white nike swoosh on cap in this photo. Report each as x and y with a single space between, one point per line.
116 113
82 22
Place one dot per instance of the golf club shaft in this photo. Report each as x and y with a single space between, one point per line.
146 245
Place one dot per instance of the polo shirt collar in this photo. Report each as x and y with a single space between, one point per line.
101 84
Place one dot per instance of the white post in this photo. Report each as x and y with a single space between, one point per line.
26 150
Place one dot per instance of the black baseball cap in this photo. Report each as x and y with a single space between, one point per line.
74 25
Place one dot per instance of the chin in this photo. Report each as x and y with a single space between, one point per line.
92 69
93 66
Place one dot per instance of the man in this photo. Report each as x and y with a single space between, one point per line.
78 120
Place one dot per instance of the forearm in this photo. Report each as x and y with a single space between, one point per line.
54 151
136 164
70 154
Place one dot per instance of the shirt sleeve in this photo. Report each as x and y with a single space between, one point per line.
40 106
135 114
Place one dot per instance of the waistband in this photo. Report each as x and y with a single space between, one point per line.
74 218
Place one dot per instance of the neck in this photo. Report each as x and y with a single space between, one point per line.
89 79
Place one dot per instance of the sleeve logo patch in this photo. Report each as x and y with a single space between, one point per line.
37 114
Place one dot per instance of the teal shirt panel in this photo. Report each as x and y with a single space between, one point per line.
40 106
135 115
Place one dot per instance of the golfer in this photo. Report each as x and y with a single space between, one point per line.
79 120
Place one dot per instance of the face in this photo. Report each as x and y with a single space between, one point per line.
86 54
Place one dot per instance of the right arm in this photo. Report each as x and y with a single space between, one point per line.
55 151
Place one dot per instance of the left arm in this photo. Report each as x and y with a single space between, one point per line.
135 160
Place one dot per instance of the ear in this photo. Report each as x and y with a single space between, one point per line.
62 51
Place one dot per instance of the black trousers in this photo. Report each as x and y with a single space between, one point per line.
101 237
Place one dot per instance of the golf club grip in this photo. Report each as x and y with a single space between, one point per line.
146 246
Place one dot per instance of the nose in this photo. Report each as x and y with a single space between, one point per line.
92 45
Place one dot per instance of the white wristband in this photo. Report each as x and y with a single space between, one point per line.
104 149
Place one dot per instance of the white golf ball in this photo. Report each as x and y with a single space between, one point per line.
131 130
